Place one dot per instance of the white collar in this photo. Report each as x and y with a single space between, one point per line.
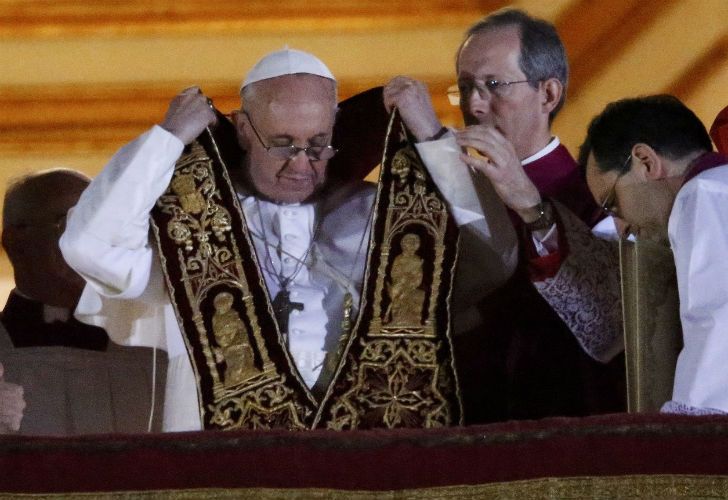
540 154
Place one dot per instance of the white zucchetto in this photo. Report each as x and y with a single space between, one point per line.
286 62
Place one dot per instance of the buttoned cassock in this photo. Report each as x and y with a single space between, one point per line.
107 242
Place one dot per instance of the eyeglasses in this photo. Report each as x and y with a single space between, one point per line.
608 206
489 87
314 153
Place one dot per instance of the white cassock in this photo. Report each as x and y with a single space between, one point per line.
107 242
699 239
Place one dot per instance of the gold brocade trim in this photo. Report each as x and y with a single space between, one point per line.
248 389
397 369
610 487
395 366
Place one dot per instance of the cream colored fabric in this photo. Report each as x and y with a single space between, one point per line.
72 391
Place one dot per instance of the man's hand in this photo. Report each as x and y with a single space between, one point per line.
497 160
12 405
189 113
412 99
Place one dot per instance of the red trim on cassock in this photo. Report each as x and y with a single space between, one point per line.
541 267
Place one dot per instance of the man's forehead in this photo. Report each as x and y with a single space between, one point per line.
298 84
306 91
489 50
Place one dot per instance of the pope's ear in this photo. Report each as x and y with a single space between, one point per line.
649 163
241 128
553 89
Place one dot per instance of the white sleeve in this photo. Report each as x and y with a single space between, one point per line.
489 248
106 238
700 246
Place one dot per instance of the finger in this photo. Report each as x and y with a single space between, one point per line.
489 144
402 81
389 99
479 132
480 164
479 144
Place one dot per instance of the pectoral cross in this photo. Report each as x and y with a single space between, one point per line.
282 307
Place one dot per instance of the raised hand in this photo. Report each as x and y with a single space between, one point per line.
412 99
490 153
189 113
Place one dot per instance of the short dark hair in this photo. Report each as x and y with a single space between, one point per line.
661 121
542 54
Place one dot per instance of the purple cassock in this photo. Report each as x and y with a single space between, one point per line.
524 362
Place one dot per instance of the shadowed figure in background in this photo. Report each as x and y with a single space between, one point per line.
73 380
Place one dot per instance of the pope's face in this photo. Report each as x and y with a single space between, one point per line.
296 110
516 110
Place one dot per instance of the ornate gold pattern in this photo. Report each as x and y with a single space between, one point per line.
396 367
232 337
405 295
400 372
412 206
633 486
396 381
249 391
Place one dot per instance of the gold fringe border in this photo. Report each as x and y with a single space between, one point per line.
612 487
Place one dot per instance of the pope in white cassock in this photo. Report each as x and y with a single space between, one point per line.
310 248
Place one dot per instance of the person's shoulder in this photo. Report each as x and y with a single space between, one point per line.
718 174
711 180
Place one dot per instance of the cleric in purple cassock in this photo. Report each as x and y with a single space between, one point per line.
549 341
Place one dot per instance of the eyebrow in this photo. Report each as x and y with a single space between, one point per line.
470 76
291 139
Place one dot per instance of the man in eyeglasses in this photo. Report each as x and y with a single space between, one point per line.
512 78
310 245
650 163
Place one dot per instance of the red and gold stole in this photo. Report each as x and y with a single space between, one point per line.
394 368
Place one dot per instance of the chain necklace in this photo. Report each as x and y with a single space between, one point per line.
282 304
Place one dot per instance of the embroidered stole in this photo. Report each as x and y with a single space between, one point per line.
394 369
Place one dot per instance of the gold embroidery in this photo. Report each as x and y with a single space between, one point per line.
232 337
672 486
190 199
400 373
248 389
395 369
418 211
405 295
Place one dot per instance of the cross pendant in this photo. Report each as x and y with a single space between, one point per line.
282 307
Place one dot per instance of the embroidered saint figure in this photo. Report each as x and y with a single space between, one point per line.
406 296
232 338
